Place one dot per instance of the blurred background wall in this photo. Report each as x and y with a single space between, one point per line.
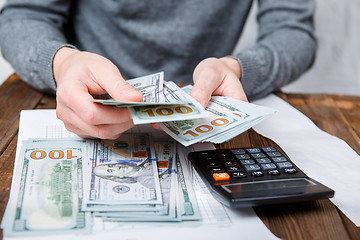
337 65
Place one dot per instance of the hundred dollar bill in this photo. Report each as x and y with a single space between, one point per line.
228 118
165 157
152 114
189 208
128 176
46 193
152 88
191 131
246 115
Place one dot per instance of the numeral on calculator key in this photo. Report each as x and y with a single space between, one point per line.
268 149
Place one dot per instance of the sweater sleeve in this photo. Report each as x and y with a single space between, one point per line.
31 32
285 46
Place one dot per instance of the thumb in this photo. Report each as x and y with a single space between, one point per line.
112 82
120 90
205 83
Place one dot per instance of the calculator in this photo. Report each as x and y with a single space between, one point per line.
254 176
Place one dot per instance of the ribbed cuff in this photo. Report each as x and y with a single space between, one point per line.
252 67
45 58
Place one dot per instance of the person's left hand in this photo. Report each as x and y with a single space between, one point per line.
217 76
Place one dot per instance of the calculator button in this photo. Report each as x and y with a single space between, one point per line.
221 176
238 175
258 155
268 166
225 156
213 164
279 159
257 174
283 165
274 172
290 170
238 151
206 154
268 149
217 169
253 150
233 169
247 161
253 167
262 160
242 156
229 163
274 154
209 158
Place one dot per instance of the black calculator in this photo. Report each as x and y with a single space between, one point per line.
254 176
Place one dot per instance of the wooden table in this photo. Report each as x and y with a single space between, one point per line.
336 114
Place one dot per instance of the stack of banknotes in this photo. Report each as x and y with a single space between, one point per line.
59 183
183 118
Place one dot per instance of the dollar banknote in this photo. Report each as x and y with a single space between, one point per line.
165 158
46 193
174 94
188 205
228 118
126 176
152 89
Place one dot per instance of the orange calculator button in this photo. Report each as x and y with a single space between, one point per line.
221 176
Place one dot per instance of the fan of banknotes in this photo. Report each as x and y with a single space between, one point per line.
183 118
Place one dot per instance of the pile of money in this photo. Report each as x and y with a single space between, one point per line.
183 118
61 185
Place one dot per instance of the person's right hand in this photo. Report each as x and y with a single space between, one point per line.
79 76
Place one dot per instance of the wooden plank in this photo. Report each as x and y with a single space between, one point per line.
305 220
350 109
240 141
324 111
15 96
353 231
7 159
47 102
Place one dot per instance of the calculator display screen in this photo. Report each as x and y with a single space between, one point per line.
268 185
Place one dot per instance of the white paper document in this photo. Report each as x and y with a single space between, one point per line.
326 158
217 221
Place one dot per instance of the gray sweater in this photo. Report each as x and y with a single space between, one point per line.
143 37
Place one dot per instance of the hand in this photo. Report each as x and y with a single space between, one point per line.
79 76
214 76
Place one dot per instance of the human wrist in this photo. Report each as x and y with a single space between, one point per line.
233 64
60 58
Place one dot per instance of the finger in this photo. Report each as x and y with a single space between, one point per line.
77 131
156 126
104 131
76 101
231 87
91 126
205 83
112 81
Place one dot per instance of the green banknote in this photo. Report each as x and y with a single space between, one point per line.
122 171
188 109
46 192
165 158
151 86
